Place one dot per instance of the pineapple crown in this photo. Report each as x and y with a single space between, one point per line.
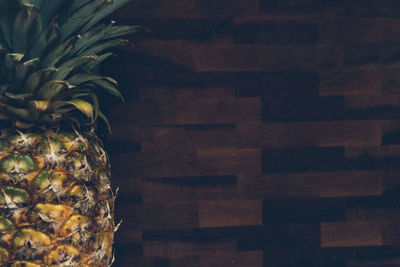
49 50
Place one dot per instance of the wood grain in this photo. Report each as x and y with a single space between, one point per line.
257 133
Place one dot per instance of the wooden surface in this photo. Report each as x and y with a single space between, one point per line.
258 133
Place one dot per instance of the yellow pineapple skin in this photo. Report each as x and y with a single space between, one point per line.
56 202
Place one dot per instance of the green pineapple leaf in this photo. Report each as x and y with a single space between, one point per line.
8 11
27 26
46 38
49 9
100 59
118 31
36 78
104 118
100 47
66 68
116 4
85 107
78 19
109 88
76 5
93 96
82 78
92 36
52 88
25 68
52 58
49 53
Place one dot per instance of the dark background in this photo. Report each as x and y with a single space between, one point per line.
258 133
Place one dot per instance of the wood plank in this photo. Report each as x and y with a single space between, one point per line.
392 81
288 185
174 164
291 7
303 210
188 138
382 8
350 133
318 184
374 263
303 159
157 9
370 101
226 58
372 151
295 57
275 83
125 259
185 92
188 111
126 235
351 82
168 215
186 10
253 134
125 133
281 237
303 108
333 133
242 259
178 53
290 134
226 8
353 183
229 161
141 165
176 249
230 213
359 30
390 132
374 213
190 191
373 157
130 230
391 232
276 32
348 234
275 134
358 55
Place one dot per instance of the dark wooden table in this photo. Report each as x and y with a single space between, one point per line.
258 133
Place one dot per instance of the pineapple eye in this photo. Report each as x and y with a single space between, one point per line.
5 224
53 212
35 238
46 179
3 255
74 224
17 163
42 181
49 145
74 162
4 146
12 196
61 254
76 191
24 264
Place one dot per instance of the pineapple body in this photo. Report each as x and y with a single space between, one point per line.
56 203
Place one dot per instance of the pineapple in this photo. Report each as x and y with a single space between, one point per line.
56 202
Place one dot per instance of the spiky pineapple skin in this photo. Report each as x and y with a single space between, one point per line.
56 202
